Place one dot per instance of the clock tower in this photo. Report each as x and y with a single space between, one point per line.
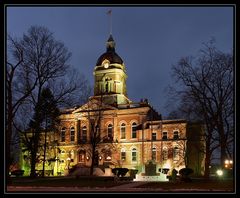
110 76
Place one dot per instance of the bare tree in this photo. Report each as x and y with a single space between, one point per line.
207 91
17 90
45 64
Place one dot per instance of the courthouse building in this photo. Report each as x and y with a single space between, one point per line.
131 133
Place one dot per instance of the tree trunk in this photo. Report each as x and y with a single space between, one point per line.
44 153
34 153
9 132
223 140
207 160
93 160
33 164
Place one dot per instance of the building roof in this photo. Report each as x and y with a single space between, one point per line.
110 53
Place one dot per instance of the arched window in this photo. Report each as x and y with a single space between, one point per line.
84 134
123 154
134 130
154 154
110 131
72 155
165 154
63 133
175 153
134 155
72 134
108 155
123 131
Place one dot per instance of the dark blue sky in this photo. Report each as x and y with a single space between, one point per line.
148 39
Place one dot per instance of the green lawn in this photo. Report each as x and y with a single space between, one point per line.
91 182
66 182
221 185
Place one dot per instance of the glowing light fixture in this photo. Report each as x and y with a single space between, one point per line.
219 172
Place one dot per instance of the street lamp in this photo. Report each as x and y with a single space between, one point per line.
228 164
219 172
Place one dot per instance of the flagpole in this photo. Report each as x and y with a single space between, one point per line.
110 20
111 23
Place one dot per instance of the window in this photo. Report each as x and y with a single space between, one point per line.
63 132
175 135
108 155
72 134
123 131
165 154
72 155
154 152
154 136
123 154
134 130
134 155
176 153
110 127
164 135
84 134
107 87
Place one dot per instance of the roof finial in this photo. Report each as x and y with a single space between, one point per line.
110 14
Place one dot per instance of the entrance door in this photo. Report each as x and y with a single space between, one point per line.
82 156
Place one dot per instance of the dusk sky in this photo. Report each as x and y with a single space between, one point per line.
148 39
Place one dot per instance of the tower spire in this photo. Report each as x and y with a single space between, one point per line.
110 17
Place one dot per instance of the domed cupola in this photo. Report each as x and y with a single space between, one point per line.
110 76
110 54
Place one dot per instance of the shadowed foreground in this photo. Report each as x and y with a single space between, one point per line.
92 185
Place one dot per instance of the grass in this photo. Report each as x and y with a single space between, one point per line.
104 182
66 182
209 185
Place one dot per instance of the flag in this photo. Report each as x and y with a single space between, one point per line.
109 12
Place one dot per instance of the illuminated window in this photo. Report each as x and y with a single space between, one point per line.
108 155
154 154
175 153
63 132
72 134
123 154
134 155
154 136
165 154
72 155
123 131
175 135
110 129
84 134
134 130
164 135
